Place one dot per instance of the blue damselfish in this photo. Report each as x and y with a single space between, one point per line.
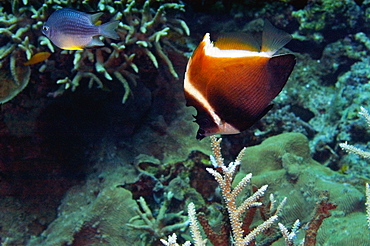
70 29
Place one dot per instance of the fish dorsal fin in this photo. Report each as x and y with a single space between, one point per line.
273 39
237 41
95 17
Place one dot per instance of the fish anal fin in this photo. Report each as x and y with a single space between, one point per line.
95 41
72 48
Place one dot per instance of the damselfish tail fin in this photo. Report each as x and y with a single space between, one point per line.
108 29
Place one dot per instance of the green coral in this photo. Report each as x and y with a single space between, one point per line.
143 30
284 163
325 15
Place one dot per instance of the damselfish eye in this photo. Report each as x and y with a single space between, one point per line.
45 28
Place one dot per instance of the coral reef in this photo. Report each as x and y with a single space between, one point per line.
224 176
284 163
365 154
329 82
157 227
86 159
323 26
144 31
283 159
104 210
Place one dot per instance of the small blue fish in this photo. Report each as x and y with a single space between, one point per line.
70 29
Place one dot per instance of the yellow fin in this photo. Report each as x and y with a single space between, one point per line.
237 41
38 57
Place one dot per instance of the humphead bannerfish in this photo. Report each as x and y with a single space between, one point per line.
232 82
70 29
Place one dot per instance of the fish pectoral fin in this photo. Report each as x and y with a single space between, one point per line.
95 41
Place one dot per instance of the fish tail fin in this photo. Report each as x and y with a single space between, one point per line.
273 39
108 29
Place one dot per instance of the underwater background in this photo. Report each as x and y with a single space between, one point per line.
97 146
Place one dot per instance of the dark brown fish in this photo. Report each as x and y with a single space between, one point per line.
231 83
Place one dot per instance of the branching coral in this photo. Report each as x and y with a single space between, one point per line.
15 49
157 226
289 236
143 30
224 175
172 241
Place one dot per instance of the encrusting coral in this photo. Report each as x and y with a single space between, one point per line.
284 163
313 20
365 154
143 30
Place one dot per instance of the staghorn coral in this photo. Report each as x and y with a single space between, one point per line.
144 30
290 236
172 241
15 49
352 149
224 175
156 227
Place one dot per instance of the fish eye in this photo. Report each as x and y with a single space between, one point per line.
45 28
